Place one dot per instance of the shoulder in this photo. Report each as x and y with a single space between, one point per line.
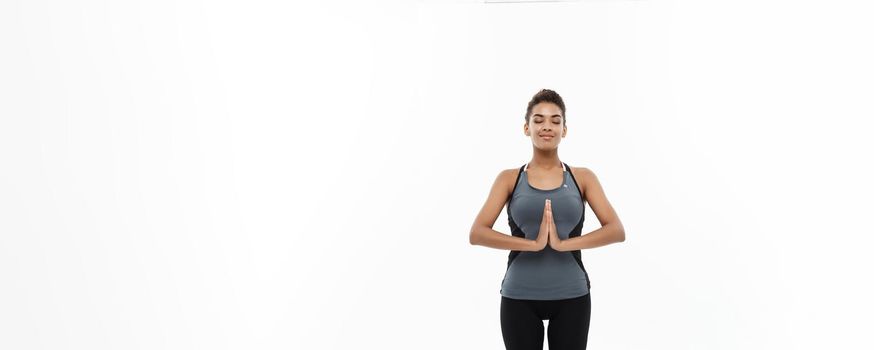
582 171
508 175
583 175
507 178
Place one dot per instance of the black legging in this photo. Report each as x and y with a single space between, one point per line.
522 323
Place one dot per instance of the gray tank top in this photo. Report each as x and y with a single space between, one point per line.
547 274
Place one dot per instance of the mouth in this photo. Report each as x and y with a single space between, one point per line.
546 137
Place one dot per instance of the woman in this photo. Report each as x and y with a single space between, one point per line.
545 277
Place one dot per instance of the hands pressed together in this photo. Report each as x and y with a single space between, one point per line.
548 233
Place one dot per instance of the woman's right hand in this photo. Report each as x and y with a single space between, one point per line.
543 236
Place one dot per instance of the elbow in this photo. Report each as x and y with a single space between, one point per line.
620 233
473 238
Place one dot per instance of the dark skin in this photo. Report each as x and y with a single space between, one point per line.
545 172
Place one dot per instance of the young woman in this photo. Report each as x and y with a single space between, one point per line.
545 277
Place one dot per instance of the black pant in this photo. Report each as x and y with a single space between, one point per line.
522 323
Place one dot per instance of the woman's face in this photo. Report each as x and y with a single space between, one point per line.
546 120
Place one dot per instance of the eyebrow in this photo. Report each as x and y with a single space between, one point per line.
553 116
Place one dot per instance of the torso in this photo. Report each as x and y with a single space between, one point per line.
545 274
545 179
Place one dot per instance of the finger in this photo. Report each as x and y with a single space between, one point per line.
549 220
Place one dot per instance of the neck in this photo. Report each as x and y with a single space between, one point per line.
545 159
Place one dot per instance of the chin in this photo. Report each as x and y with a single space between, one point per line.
546 147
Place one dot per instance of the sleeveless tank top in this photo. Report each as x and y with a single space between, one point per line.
546 274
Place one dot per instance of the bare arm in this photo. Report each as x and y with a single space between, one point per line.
481 232
611 230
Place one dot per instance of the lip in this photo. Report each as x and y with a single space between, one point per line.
548 137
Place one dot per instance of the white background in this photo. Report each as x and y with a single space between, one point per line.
274 175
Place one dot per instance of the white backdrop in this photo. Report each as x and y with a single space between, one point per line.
272 175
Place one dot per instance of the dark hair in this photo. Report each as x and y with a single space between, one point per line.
546 95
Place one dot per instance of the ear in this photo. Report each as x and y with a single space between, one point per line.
525 129
564 132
